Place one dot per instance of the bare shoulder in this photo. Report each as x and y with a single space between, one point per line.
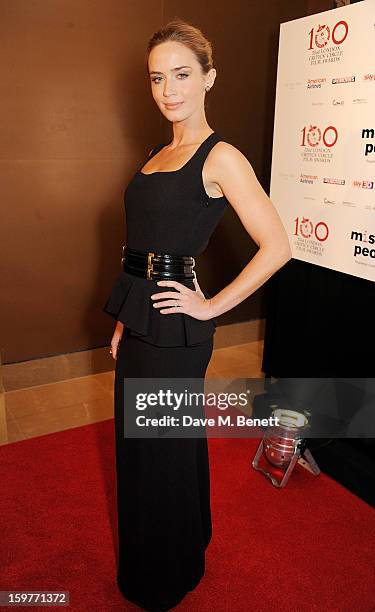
225 150
225 158
230 172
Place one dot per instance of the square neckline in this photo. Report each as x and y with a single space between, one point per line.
182 167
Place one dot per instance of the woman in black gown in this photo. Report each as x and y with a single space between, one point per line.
164 327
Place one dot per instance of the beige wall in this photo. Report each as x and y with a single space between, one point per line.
77 119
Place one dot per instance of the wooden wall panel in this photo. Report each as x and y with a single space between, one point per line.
77 118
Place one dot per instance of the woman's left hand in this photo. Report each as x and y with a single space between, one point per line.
184 300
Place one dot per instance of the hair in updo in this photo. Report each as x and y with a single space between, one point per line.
188 35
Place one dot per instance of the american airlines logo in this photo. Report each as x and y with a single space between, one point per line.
308 178
315 83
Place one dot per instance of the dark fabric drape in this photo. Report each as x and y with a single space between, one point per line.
319 322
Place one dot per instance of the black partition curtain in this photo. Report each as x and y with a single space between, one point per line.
319 323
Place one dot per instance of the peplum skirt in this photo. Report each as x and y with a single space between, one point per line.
130 302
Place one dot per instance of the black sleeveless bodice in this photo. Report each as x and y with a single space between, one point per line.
166 212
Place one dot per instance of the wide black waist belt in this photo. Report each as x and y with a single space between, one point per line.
157 266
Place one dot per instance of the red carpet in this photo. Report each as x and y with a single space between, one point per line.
307 547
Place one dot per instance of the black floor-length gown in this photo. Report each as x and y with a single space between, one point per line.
163 484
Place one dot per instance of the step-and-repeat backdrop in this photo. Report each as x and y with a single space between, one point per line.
323 160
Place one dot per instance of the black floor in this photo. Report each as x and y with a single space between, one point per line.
350 461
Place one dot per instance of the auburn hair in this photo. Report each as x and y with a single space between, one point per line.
188 35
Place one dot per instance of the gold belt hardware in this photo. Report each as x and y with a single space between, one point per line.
150 267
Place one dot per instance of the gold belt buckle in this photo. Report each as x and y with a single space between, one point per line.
150 267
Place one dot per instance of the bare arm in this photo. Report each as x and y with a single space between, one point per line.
239 184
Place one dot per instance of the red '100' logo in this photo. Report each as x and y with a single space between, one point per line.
306 228
321 35
314 135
